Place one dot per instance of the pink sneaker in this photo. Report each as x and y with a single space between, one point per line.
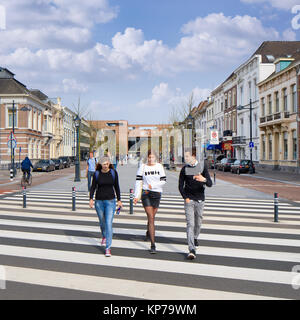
103 242
107 253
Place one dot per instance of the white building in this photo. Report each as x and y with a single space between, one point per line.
69 134
256 69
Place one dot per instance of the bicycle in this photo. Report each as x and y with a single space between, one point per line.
26 181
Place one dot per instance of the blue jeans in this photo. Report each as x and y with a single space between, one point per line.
105 210
90 175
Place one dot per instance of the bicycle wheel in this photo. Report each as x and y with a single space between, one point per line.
23 181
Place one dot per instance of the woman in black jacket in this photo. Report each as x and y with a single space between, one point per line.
106 184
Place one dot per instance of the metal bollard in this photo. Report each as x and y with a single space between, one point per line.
131 201
275 207
11 174
73 199
24 197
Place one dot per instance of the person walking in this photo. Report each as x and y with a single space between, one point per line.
106 184
90 169
150 179
193 179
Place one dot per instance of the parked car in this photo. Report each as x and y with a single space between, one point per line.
218 160
58 164
66 161
44 165
242 166
72 159
225 164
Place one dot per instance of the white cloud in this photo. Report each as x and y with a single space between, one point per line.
208 42
43 24
289 35
279 4
36 13
163 97
71 85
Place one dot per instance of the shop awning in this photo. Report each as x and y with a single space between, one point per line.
214 146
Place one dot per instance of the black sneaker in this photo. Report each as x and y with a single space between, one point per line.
192 255
196 243
153 249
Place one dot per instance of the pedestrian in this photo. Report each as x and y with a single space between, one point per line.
150 179
106 184
90 169
193 178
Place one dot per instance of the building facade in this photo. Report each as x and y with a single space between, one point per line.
279 108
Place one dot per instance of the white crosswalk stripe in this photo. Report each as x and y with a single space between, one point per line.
243 254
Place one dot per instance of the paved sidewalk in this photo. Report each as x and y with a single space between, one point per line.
278 176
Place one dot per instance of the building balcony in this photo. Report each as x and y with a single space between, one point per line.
275 118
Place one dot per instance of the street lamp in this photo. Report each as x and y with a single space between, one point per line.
77 122
190 125
251 144
12 154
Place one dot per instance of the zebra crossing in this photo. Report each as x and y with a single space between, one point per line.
49 251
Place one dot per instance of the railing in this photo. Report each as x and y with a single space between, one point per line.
286 114
262 119
270 118
277 116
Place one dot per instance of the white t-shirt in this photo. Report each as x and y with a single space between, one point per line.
153 175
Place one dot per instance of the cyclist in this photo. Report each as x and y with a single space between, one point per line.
26 166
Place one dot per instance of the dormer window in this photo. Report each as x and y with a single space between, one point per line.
282 63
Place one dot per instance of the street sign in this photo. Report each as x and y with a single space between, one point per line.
214 137
11 136
12 144
251 144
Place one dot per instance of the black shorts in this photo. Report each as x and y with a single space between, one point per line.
151 198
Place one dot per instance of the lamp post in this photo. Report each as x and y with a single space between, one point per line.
251 145
77 122
190 125
12 147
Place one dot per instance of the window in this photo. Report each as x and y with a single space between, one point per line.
242 127
277 101
255 125
249 90
270 147
234 97
285 100
12 118
241 95
255 89
270 104
264 147
226 100
263 111
30 119
230 99
285 145
34 120
294 145
45 124
39 122
30 149
294 98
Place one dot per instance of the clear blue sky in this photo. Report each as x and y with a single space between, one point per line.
135 59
